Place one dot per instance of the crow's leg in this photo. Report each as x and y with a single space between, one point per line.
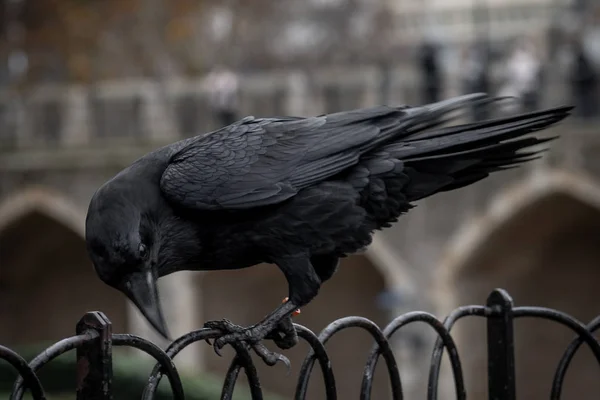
285 336
325 265
304 284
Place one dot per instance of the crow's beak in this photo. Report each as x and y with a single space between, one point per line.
141 288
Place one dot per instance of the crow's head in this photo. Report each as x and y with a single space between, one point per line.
120 242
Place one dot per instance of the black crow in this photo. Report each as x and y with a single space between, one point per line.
296 192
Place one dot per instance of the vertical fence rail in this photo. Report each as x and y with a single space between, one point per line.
501 347
94 359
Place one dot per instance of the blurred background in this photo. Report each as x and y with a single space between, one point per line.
87 86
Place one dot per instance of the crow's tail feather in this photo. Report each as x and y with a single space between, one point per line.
439 158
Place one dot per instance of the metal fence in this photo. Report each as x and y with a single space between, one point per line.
94 342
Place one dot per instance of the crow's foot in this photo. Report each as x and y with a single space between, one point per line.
276 326
284 336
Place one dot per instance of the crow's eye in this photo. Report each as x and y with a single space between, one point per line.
143 250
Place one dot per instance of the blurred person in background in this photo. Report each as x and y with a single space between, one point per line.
431 71
584 81
586 65
223 90
523 75
475 74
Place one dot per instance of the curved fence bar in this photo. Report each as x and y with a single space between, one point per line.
243 359
564 319
359 322
160 356
382 345
57 349
26 373
94 341
231 378
317 351
566 359
444 335
585 334
175 348
438 348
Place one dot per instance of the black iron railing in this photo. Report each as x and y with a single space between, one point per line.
94 342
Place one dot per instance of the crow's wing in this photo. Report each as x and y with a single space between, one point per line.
259 162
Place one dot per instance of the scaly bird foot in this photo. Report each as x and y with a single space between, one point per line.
252 336
285 335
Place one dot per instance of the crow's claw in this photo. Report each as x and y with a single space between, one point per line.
217 350
271 358
286 342
224 326
284 336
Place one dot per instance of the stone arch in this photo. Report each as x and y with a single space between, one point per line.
46 279
251 293
539 240
46 202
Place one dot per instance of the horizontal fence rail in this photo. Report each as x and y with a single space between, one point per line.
94 341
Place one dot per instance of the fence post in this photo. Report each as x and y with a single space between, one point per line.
94 360
501 346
